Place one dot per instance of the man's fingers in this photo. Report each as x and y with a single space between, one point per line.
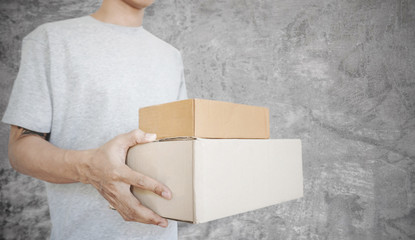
144 182
132 210
151 216
137 136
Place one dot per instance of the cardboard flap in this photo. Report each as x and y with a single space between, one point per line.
230 120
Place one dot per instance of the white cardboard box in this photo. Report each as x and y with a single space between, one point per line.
216 178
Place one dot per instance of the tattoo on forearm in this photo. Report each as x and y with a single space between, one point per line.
26 132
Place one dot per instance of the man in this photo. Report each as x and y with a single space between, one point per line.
72 108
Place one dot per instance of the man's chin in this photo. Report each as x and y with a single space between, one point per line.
139 4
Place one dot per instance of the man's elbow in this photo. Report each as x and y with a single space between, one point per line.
17 147
14 163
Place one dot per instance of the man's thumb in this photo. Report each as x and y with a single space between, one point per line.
137 136
150 137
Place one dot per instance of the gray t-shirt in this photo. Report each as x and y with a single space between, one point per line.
83 81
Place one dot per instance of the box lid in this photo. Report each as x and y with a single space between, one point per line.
205 119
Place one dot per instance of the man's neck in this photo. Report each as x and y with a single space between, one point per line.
120 13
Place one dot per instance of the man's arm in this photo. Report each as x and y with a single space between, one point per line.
30 153
104 168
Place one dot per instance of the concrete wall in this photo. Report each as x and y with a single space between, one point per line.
339 74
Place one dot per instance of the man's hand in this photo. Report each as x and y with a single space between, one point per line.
30 153
107 172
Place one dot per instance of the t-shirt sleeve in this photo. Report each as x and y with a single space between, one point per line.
30 101
182 87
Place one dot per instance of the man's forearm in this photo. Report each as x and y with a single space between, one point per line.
104 168
34 156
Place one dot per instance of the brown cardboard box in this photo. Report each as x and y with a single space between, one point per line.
215 178
205 119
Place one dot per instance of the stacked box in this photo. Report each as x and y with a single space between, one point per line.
217 159
203 118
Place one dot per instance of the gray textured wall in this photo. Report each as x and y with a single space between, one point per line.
339 74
